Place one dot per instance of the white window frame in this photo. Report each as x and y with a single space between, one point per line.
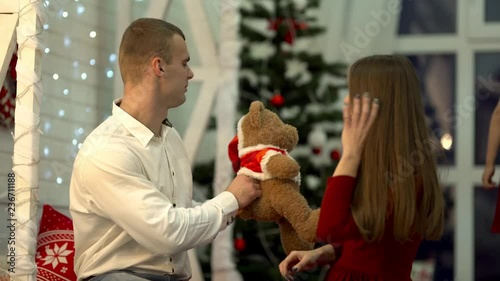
472 35
478 27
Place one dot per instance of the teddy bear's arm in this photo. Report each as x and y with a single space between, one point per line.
282 166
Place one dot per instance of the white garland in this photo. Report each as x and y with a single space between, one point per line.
26 139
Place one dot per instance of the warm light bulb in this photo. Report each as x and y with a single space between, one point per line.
84 76
55 76
92 34
447 141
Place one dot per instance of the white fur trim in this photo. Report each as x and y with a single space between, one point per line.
246 150
252 174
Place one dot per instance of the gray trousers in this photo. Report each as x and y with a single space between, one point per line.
124 275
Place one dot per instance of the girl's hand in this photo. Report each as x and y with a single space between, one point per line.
359 115
298 261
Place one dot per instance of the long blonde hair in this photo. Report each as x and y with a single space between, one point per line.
398 172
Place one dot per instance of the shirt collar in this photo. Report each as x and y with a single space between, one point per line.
136 128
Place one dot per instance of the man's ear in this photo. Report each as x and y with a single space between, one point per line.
158 66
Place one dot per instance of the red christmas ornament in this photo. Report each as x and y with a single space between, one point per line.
316 150
335 155
292 26
239 243
8 95
277 100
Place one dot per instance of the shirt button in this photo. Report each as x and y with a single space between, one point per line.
174 205
173 174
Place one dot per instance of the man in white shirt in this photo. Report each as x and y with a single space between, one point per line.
131 187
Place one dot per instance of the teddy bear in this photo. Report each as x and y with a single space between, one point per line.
260 150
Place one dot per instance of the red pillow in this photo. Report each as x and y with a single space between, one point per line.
55 250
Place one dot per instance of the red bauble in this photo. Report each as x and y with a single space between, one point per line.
277 100
316 150
240 244
335 154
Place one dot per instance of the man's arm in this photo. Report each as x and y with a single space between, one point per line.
492 148
119 190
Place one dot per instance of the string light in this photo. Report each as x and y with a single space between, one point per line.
92 62
47 50
46 151
84 76
55 76
47 126
64 14
93 34
75 63
110 73
59 180
112 58
66 92
48 174
61 112
46 26
80 9
74 142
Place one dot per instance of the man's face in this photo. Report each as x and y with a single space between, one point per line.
177 74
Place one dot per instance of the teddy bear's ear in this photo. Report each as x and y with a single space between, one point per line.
255 113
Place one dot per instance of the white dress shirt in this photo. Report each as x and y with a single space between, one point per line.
131 201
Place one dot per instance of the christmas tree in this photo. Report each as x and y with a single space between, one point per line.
282 67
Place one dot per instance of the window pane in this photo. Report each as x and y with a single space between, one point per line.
437 79
492 11
487 90
435 259
428 17
486 243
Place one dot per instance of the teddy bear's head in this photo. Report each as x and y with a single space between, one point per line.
261 126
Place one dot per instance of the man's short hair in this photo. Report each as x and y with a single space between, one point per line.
144 39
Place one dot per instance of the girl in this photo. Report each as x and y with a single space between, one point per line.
384 196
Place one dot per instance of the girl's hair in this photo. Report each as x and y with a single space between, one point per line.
144 39
398 172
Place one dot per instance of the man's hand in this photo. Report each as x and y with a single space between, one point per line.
245 189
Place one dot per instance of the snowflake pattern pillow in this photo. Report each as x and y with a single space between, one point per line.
55 247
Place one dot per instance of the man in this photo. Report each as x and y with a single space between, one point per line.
131 187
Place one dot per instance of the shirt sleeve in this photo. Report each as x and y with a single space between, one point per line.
336 223
118 190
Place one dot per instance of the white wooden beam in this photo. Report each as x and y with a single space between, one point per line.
202 34
27 136
8 23
9 6
158 9
200 116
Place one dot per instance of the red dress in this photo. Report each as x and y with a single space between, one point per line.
387 260
495 227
